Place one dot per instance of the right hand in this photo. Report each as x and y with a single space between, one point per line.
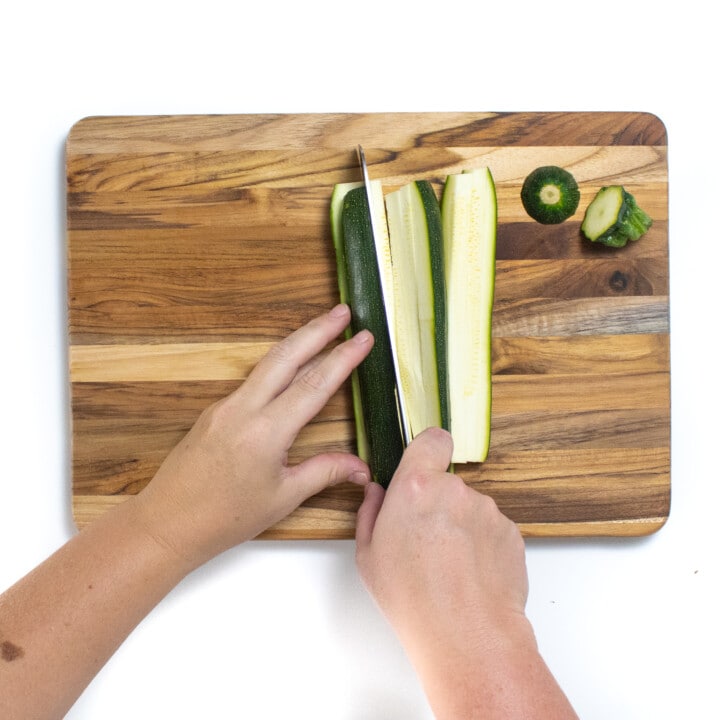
434 552
446 567
448 570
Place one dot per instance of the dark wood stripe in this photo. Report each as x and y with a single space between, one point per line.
137 424
605 128
558 486
533 241
584 316
613 276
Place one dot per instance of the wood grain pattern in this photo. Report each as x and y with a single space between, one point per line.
195 242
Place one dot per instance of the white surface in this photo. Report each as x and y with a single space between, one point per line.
629 627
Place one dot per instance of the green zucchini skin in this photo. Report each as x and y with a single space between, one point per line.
336 206
437 267
550 195
376 374
613 218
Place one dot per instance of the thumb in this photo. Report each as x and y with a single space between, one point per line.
430 450
367 515
321 471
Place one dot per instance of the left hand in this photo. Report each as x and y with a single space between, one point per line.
228 479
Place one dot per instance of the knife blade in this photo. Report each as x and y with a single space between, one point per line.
387 295
368 191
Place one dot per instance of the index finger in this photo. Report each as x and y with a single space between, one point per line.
310 391
279 367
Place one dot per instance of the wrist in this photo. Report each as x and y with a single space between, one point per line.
471 672
157 521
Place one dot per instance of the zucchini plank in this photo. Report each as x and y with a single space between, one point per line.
415 228
376 374
469 213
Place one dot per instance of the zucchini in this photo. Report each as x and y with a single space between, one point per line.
336 204
416 247
614 217
469 216
550 195
376 374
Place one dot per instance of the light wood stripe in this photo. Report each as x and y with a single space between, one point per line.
579 393
311 172
581 354
178 362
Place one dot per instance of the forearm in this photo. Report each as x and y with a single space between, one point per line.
62 622
501 675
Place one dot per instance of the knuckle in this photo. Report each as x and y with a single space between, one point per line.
313 381
279 354
487 504
414 482
214 417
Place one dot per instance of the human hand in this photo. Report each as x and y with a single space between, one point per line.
448 571
433 551
228 479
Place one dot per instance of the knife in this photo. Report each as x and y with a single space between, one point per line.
386 294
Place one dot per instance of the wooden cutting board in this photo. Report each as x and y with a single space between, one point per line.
195 242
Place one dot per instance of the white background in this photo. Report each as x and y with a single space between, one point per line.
629 627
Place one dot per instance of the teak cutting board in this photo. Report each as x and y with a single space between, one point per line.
195 242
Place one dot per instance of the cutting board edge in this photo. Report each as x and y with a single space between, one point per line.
646 127
88 508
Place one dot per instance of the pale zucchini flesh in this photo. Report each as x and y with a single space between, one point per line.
614 218
604 213
415 231
469 211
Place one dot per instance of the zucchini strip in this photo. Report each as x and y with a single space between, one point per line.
469 213
336 204
415 229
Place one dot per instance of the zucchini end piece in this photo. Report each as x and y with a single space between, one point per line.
550 195
613 218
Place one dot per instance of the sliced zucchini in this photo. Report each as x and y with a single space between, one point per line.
336 205
614 217
376 374
550 195
469 215
415 229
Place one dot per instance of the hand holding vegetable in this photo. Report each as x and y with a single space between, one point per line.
448 570
228 480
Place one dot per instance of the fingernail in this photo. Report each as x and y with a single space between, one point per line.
358 477
339 310
362 337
